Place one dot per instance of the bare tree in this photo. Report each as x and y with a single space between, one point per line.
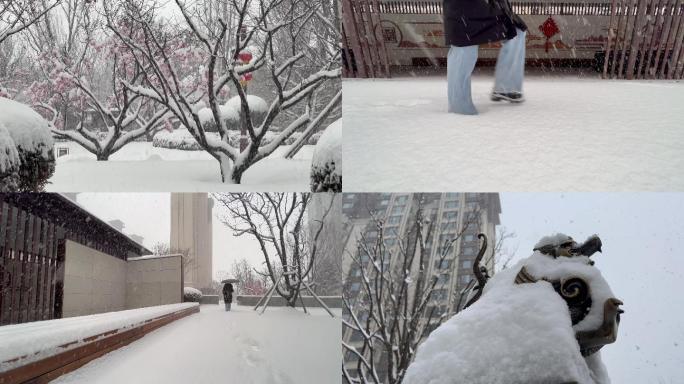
257 24
162 249
328 266
250 282
17 15
277 222
391 312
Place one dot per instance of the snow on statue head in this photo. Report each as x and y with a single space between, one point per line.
541 321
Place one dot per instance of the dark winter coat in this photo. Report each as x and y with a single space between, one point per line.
475 22
228 293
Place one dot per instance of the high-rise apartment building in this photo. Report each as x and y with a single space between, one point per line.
449 215
191 226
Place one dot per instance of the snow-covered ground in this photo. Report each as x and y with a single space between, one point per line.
28 342
140 167
282 346
571 134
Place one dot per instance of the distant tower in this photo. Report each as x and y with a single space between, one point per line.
191 225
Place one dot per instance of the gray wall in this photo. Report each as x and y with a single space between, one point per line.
154 281
278 301
93 281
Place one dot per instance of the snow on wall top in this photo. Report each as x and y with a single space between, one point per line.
256 104
26 127
39 339
329 147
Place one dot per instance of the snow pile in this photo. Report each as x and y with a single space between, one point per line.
523 330
192 295
24 343
326 168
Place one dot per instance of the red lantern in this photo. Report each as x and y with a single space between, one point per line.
245 56
247 76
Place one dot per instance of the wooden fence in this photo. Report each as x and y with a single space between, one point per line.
645 40
31 266
364 51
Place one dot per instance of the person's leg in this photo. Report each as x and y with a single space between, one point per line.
460 65
510 66
227 306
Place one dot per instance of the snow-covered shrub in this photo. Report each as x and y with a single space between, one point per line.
529 323
30 135
228 113
178 139
326 168
192 295
258 108
9 162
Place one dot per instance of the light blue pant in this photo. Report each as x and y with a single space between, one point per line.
510 70
227 306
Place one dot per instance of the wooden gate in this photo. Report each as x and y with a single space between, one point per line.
364 53
31 266
645 40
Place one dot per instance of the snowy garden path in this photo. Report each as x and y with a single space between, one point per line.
571 134
140 167
283 346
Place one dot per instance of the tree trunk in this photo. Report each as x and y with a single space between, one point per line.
228 171
102 156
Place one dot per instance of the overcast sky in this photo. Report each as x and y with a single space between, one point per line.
148 215
642 236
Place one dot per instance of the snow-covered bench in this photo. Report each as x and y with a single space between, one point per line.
47 349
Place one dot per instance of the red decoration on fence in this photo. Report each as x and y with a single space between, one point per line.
549 28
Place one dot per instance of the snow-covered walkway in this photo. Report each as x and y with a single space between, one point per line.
282 346
571 134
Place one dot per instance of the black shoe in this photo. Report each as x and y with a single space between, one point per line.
513 97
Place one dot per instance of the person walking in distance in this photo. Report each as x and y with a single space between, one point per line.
228 295
469 23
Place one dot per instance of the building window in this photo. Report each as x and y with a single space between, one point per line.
450 215
451 204
469 238
467 251
465 279
452 196
401 200
443 278
466 264
397 210
394 219
347 205
445 264
355 287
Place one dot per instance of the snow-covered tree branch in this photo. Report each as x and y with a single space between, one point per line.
17 15
247 42
391 312
278 222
